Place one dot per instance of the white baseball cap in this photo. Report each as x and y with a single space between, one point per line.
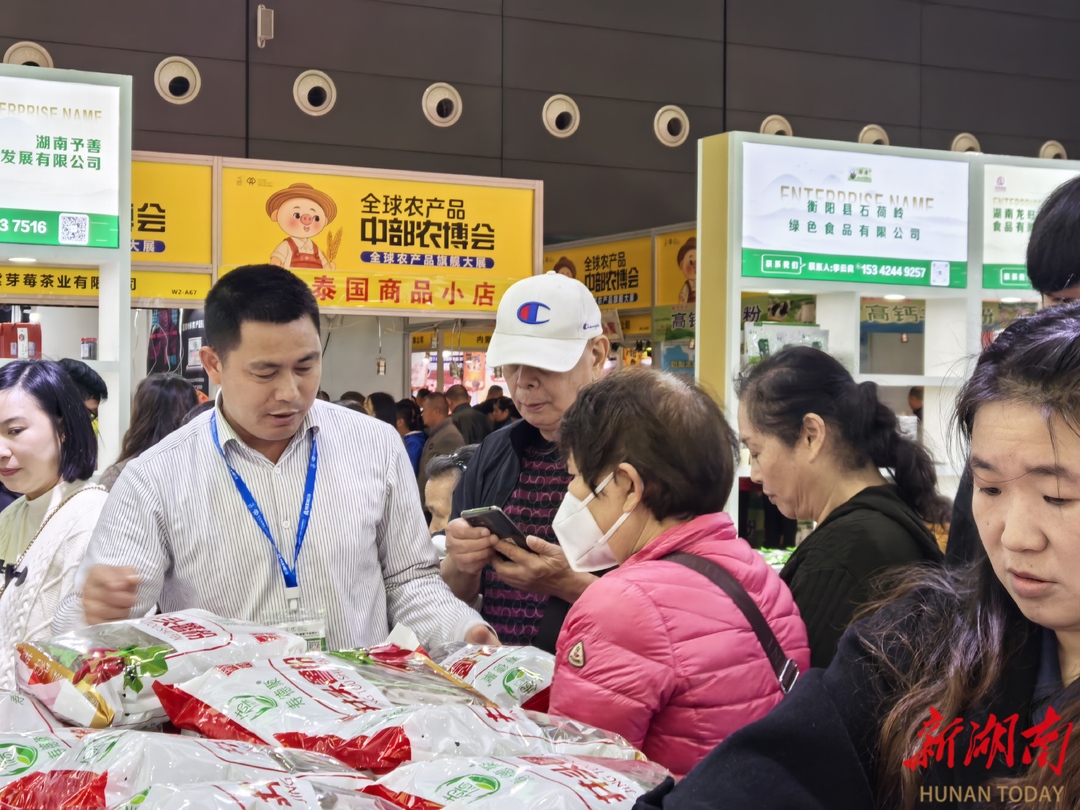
544 322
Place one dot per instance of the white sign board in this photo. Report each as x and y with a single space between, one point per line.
1012 196
854 216
59 163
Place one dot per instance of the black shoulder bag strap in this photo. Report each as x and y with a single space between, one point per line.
787 671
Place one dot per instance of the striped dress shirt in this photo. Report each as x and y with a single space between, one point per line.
176 516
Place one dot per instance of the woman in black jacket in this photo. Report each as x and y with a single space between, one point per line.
962 692
818 441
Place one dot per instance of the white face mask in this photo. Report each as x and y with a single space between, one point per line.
581 538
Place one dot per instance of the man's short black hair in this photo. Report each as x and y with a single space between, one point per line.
264 293
1053 254
88 381
59 397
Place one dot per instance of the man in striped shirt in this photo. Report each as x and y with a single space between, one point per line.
271 506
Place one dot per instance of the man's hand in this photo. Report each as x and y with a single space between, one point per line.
542 570
109 593
483 635
469 549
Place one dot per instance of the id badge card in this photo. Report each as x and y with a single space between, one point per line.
309 624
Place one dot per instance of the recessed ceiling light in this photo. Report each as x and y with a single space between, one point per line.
22 260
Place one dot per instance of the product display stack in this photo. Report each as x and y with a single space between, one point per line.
190 710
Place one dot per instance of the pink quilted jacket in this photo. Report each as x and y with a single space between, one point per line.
659 654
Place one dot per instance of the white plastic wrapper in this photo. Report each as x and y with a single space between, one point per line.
507 676
333 711
406 677
102 676
106 768
536 783
269 794
22 755
20 713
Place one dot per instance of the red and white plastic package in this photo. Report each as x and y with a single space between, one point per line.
268 794
97 770
308 703
21 713
507 676
102 676
536 783
22 755
407 677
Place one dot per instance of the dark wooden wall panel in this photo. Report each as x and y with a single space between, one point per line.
1006 70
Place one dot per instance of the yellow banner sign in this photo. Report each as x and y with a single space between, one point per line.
619 274
329 223
403 291
676 268
50 282
637 324
171 213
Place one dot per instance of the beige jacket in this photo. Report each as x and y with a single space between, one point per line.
51 562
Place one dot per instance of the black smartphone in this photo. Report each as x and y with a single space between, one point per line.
495 521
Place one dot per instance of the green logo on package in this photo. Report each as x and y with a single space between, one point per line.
16 759
138 799
250 707
514 680
467 787
95 750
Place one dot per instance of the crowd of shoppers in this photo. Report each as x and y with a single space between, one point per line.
815 687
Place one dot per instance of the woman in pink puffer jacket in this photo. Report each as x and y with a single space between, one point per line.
653 650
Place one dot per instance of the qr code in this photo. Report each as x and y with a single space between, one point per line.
74 229
940 274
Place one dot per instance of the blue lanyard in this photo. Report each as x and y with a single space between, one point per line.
289 572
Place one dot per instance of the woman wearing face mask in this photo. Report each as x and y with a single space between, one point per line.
654 651
47 452
817 442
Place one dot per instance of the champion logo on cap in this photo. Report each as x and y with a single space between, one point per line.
530 313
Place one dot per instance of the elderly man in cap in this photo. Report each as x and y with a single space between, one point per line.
549 342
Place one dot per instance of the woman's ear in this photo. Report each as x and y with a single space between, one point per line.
814 431
635 486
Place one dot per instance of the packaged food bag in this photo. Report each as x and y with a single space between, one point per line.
21 713
105 768
24 754
537 783
268 794
304 703
507 676
101 676
407 677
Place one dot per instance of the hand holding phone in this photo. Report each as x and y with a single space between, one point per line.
496 521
